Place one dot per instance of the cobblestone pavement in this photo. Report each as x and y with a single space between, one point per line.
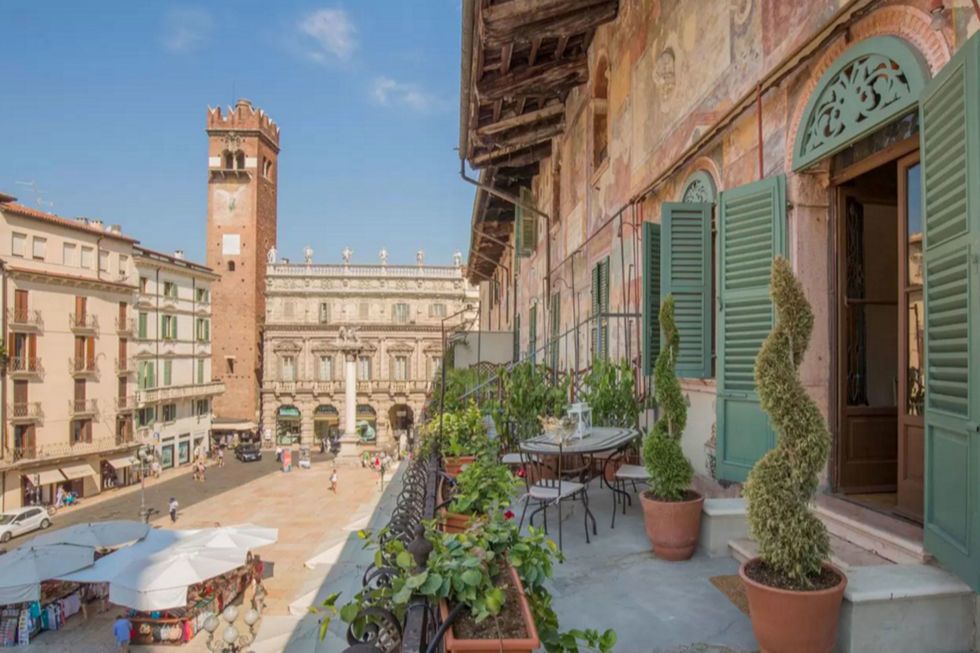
299 504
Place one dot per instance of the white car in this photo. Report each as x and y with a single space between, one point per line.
22 520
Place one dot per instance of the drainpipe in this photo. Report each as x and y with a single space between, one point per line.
3 369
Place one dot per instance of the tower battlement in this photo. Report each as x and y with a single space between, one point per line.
243 116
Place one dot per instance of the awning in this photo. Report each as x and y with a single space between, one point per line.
79 471
233 425
121 462
44 477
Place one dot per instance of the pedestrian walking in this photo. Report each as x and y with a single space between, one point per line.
122 630
333 481
202 470
155 468
173 509
221 456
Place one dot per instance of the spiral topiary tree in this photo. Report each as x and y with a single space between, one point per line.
793 543
670 471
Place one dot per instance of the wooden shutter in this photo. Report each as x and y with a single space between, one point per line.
752 228
90 352
142 326
80 310
686 274
168 367
651 295
950 132
20 305
600 308
526 224
532 333
32 350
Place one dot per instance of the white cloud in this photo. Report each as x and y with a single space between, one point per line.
186 29
389 92
332 33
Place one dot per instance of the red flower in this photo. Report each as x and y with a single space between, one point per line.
520 472
509 514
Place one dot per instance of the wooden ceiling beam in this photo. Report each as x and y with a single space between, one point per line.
521 120
529 137
560 48
532 56
506 52
518 12
573 22
517 155
538 79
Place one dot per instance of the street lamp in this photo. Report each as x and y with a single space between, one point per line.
231 640
143 456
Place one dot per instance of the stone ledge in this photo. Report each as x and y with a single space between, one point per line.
725 507
722 520
898 582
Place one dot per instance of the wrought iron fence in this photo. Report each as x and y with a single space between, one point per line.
381 630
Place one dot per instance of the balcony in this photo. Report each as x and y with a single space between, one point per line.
126 404
83 367
125 326
172 393
23 453
23 367
125 366
26 412
83 324
146 299
83 407
23 320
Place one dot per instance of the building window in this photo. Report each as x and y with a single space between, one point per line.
228 160
170 412
123 266
231 266
363 368
325 370
168 372
267 169
170 289
401 368
142 321
202 407
39 248
229 364
200 371
434 363
87 257
69 255
203 296
144 285
203 329
103 261
146 375
399 313
81 430
168 327
146 416
18 244
324 312
239 160
437 310
288 372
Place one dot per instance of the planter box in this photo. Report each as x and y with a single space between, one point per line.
526 645
455 464
451 522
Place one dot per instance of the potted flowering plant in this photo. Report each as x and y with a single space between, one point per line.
464 437
479 487
794 594
671 510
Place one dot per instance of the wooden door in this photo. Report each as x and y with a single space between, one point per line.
20 392
20 305
867 419
80 305
911 349
90 353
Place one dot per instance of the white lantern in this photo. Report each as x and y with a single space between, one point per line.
231 634
582 414
251 617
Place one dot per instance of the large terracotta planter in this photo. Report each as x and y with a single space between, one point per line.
526 645
451 522
672 526
787 621
454 465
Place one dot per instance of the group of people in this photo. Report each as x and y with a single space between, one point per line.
200 463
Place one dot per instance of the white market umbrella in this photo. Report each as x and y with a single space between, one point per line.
23 569
109 566
101 535
160 582
242 536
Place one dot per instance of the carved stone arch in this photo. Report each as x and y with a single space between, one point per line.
699 188
909 24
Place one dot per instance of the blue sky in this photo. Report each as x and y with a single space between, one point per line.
103 107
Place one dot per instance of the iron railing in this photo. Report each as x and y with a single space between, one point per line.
23 318
27 365
83 322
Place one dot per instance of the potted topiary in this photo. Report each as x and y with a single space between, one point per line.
464 437
794 595
671 510
480 486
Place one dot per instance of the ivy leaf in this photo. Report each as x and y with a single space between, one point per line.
472 577
405 560
349 612
432 584
416 581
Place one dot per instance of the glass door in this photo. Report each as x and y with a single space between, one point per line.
911 380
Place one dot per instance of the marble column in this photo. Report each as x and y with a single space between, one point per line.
349 440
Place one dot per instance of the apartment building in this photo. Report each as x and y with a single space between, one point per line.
66 300
170 359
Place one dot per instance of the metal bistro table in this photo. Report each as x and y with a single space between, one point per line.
598 440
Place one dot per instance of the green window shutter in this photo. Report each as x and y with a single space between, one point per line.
685 274
168 369
207 330
526 223
596 310
651 295
141 375
555 330
517 338
751 231
949 111
532 333
142 325
604 322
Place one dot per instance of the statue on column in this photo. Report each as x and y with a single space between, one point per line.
347 254
383 255
308 254
273 255
457 259
420 257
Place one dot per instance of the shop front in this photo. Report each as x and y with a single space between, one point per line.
288 425
39 487
326 423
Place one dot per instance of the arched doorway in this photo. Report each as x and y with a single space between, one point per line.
367 422
288 427
402 419
326 422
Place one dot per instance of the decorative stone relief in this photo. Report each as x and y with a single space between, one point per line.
664 71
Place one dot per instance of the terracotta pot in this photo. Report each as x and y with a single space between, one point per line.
609 469
787 621
672 526
454 465
526 645
451 522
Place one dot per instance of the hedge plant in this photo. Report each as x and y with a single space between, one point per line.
793 543
609 392
670 471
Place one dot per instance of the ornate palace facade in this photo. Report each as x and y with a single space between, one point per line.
313 312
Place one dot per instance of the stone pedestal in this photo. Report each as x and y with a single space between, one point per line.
349 452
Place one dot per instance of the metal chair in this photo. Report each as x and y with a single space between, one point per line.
626 473
552 491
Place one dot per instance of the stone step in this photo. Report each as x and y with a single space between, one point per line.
844 554
888 537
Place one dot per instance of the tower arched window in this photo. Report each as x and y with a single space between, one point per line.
267 169
600 114
239 160
231 266
228 160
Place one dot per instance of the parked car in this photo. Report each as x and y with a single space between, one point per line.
22 520
248 452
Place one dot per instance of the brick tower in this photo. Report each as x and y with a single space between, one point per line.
243 150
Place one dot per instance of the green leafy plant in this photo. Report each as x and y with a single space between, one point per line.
482 485
609 392
463 432
529 394
327 612
670 471
793 542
